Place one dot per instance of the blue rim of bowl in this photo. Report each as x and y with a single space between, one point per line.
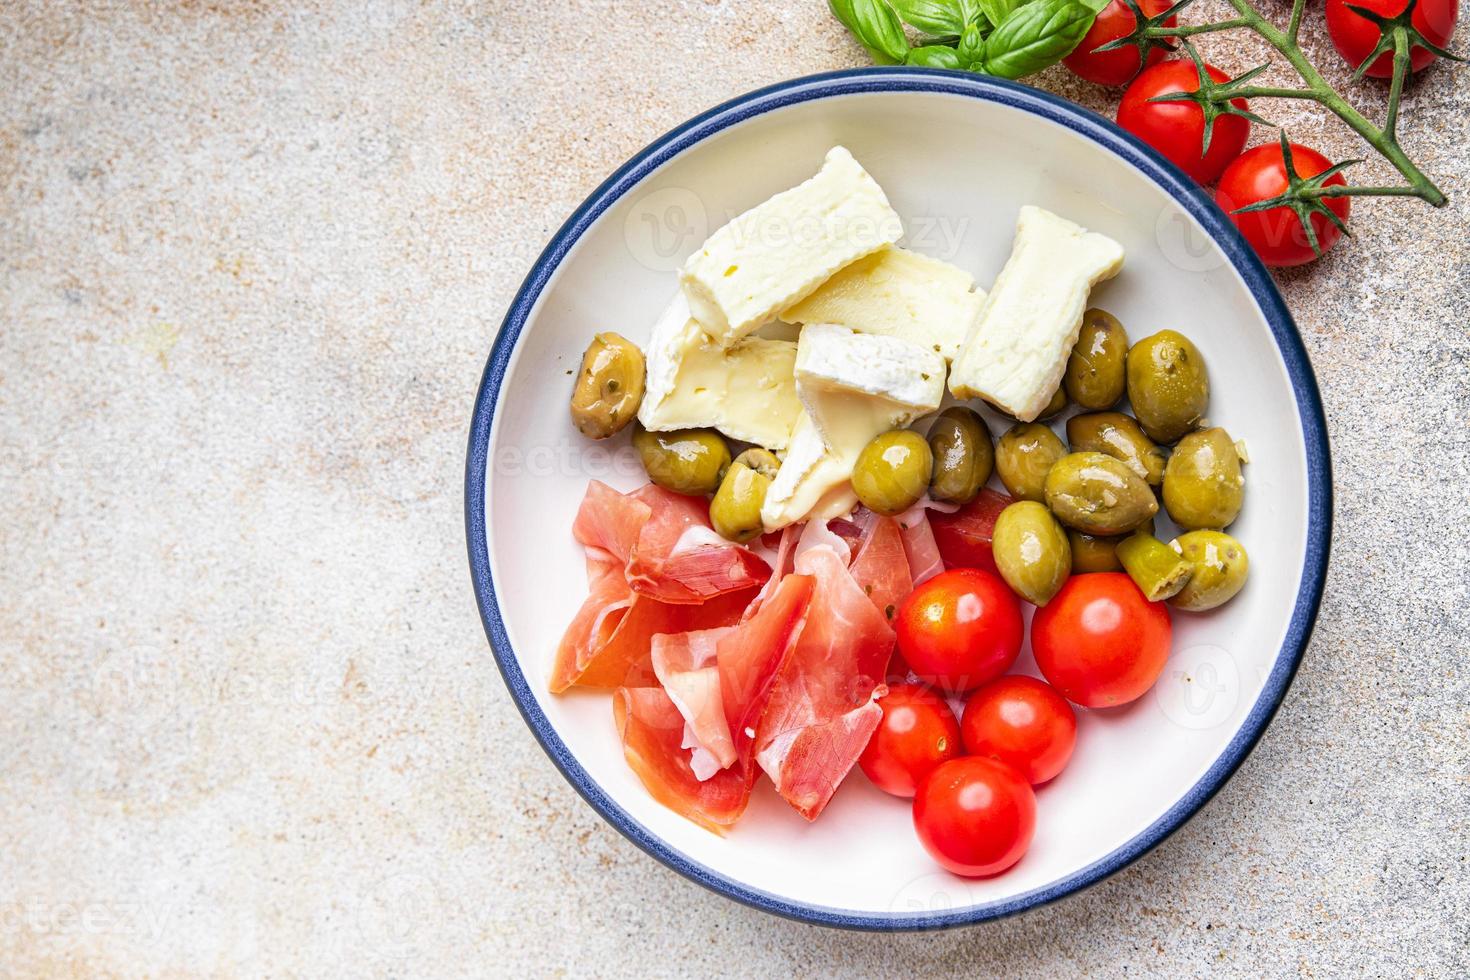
1189 195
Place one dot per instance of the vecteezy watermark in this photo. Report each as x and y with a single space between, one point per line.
1200 688
662 227
932 893
392 913
1184 244
567 458
95 918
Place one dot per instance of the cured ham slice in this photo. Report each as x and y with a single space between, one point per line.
964 536
919 544
652 732
619 651
610 521
678 558
750 657
881 565
685 665
822 709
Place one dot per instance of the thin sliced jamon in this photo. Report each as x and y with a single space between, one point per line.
652 731
964 536
822 708
610 521
750 657
605 607
881 568
919 544
620 652
679 559
685 665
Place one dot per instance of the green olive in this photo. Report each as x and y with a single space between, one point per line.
1157 570
1219 566
609 386
963 455
892 472
1203 486
688 461
1168 385
1023 457
1121 438
1097 494
1055 407
1091 553
1031 551
736 510
1095 375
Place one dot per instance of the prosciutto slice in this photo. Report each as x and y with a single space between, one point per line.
685 665
919 544
652 731
881 565
822 708
964 536
677 557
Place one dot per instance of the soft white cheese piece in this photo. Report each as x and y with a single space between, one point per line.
897 293
854 386
747 391
776 253
1018 348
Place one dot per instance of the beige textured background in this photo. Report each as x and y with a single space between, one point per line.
252 257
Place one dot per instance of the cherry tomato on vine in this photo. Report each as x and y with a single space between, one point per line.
1276 233
960 629
1177 129
1099 641
1355 36
917 733
1114 67
1024 723
975 816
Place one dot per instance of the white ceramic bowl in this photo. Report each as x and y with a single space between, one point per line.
958 155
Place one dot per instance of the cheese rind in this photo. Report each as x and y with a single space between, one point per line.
897 293
747 391
854 387
1018 349
778 252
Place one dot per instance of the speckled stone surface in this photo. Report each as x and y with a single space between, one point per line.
252 257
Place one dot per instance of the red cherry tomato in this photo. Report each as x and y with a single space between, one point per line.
1114 67
1024 723
975 816
917 733
1356 36
1177 129
960 629
1099 641
1276 234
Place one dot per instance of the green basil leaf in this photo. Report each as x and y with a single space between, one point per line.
996 11
876 27
941 18
1034 37
972 45
933 56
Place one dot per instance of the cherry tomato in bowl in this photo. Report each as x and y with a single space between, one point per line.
960 629
1022 722
1099 641
1356 37
1277 234
1177 129
975 816
917 733
1114 21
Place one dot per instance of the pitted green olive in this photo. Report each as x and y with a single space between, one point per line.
1203 486
1094 553
1168 385
1095 377
1031 551
1097 494
609 386
1157 570
1219 567
963 455
735 512
1121 438
688 461
1023 457
892 472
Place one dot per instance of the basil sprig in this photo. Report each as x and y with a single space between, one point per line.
1008 38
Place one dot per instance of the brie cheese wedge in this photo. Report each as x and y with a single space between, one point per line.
854 387
897 293
747 391
778 252
1018 348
